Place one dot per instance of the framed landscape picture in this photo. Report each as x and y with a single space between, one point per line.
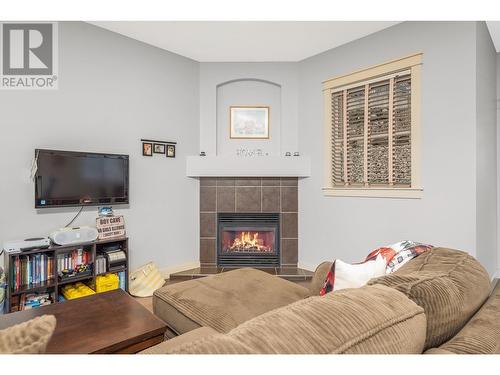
247 122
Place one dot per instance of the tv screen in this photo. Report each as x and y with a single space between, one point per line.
65 178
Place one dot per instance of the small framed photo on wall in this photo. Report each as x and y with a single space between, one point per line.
158 148
147 149
170 151
249 122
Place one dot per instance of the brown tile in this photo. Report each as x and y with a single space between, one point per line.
271 181
207 198
289 199
207 224
248 199
207 250
289 181
208 265
225 199
289 225
289 252
270 199
289 271
183 275
209 270
208 181
248 181
225 181
269 270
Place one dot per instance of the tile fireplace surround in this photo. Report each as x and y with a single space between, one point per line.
249 194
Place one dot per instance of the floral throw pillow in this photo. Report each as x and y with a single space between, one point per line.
395 256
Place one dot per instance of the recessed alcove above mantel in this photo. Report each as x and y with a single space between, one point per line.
265 166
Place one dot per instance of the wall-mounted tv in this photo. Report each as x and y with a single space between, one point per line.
67 178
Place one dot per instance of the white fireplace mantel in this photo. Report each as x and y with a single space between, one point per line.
264 166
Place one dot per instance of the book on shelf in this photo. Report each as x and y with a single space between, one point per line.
27 301
32 270
121 280
70 260
100 264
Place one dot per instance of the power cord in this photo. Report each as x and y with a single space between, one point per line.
77 214
34 166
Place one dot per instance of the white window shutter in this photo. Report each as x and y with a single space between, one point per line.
401 157
355 135
337 126
378 133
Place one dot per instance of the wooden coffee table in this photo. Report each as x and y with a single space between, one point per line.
110 322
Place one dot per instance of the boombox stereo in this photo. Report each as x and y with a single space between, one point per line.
70 236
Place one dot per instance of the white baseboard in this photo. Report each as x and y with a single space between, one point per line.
181 267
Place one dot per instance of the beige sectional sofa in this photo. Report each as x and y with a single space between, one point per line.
429 306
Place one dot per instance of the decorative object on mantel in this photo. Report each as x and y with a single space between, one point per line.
203 153
296 153
152 146
170 151
245 152
249 122
288 153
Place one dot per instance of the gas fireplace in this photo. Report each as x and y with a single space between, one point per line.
248 239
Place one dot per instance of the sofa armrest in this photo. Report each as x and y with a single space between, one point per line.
190 336
319 278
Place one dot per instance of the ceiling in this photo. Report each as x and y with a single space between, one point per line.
494 27
235 41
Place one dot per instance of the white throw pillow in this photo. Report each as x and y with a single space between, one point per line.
356 275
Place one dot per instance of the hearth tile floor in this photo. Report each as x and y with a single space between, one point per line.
288 273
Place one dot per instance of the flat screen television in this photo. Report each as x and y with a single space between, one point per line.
67 178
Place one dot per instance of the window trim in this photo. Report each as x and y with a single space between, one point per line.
411 63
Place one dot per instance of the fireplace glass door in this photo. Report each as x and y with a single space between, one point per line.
248 240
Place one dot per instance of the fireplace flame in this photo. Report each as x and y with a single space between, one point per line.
248 241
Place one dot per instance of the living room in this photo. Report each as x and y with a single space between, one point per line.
362 134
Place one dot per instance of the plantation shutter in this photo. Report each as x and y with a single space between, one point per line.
401 146
378 133
371 133
338 138
355 121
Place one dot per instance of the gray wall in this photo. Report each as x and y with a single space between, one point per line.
214 74
248 93
348 228
113 91
486 149
498 161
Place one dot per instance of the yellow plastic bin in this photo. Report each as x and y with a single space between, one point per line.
77 290
106 282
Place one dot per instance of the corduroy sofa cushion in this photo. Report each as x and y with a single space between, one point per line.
223 301
374 319
319 277
194 335
449 284
481 335
30 337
